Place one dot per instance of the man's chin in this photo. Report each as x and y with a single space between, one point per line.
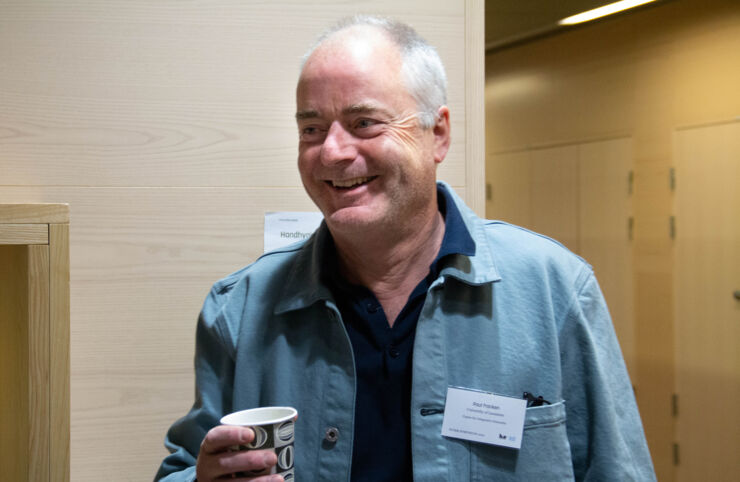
353 219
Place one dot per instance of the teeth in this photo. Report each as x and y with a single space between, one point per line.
350 182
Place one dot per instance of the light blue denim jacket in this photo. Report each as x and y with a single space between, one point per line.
522 314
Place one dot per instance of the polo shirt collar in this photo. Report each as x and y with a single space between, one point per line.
457 239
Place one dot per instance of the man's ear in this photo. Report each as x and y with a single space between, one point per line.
441 131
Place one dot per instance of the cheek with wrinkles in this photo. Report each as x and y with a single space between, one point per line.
405 139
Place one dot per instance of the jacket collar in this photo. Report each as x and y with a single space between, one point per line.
303 286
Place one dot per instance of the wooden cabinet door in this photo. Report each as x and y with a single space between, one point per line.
707 274
605 210
554 195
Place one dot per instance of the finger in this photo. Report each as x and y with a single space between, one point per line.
220 438
227 463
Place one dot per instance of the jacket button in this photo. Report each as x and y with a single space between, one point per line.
331 434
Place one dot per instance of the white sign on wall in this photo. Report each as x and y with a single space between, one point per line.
284 228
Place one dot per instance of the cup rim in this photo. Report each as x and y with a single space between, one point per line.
262 416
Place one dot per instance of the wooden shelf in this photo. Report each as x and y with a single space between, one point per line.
34 342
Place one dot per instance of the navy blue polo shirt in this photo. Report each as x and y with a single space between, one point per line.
382 438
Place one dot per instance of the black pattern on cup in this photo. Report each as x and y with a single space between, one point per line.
285 433
285 457
274 428
261 437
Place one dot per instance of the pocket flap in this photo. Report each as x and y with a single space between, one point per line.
545 415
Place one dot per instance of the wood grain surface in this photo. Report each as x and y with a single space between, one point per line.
59 349
24 233
39 427
19 213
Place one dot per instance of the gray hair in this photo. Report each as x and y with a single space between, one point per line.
422 70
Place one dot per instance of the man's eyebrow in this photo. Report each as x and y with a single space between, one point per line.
350 110
363 109
306 114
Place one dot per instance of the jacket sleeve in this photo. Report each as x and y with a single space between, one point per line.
214 369
604 428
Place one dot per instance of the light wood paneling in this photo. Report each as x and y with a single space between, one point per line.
510 178
707 313
137 94
554 194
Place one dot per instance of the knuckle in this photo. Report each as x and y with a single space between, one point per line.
224 464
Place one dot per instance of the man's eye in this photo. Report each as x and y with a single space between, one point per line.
311 134
365 123
365 127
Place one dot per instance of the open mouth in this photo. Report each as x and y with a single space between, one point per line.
351 183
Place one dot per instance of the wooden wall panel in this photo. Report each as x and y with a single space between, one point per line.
554 194
172 95
475 143
168 128
510 180
605 209
639 75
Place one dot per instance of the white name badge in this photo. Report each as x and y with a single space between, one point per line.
484 417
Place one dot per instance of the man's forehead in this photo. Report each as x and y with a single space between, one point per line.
359 38
360 45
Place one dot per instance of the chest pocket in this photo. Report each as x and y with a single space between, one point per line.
544 455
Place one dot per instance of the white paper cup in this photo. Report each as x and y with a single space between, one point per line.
273 429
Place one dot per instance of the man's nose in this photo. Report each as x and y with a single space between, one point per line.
339 145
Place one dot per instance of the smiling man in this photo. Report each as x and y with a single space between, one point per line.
369 162
402 304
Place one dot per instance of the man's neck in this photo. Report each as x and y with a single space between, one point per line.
391 265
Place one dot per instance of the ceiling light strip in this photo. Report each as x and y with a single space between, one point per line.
602 11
